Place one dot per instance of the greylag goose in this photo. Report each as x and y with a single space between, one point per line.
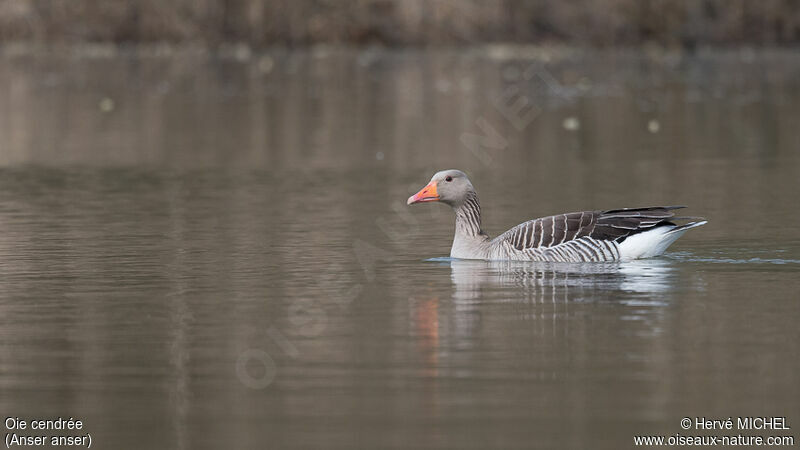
612 235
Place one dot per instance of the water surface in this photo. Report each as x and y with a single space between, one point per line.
204 252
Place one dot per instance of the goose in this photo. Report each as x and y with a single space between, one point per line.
587 236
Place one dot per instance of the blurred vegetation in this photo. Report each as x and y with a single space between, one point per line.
403 22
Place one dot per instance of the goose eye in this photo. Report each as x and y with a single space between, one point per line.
448 178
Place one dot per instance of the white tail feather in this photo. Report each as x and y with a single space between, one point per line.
653 242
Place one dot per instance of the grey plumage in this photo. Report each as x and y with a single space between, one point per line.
610 225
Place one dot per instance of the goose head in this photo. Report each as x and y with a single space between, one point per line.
448 186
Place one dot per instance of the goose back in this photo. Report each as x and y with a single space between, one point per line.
579 236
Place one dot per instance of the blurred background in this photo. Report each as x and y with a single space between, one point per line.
684 23
204 241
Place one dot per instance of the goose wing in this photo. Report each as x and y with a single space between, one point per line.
610 225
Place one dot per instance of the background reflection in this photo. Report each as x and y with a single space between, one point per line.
162 217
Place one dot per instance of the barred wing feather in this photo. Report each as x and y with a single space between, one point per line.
612 225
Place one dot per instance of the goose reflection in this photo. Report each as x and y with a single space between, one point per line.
557 282
545 293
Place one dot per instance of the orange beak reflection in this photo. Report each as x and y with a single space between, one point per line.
427 194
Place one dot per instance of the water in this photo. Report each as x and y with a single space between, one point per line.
212 253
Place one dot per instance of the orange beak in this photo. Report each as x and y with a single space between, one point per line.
427 194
